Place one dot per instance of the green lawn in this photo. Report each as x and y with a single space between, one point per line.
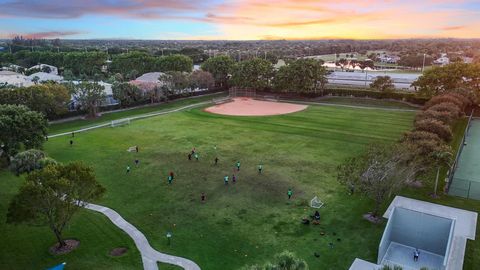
368 102
243 223
107 117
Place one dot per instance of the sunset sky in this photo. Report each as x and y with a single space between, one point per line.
241 20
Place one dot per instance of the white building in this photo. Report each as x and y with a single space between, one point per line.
15 79
45 77
41 67
442 61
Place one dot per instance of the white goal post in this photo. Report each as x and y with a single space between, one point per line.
120 122
316 203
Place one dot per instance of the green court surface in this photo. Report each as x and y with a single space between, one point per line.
466 179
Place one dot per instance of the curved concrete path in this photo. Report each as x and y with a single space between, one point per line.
150 256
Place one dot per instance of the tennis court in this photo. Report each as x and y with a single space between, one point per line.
466 178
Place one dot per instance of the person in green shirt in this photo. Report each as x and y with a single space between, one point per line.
260 168
289 193
238 165
196 156
170 179
225 179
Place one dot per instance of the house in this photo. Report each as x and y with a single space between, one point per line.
14 68
109 100
148 81
439 233
389 59
45 68
45 77
14 78
442 61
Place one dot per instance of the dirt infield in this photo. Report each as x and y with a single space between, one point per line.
252 107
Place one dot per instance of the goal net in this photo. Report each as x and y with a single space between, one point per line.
316 203
120 122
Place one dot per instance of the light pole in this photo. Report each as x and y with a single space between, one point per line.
423 66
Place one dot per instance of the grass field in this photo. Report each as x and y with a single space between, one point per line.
368 102
243 223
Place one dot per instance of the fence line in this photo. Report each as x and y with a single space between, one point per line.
453 168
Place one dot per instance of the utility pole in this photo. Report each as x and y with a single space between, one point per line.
265 55
423 66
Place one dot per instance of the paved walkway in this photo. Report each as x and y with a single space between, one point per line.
150 256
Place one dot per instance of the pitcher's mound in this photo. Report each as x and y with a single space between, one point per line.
252 107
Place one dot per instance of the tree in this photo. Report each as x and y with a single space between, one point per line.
51 196
35 79
49 99
127 93
379 173
302 75
449 78
220 67
28 161
90 96
256 73
383 84
174 62
175 81
20 127
201 79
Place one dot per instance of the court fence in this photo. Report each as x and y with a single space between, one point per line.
463 187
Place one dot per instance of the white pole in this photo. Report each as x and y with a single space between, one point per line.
423 66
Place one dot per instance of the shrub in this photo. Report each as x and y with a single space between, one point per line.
449 107
447 98
26 161
414 136
405 96
445 117
435 126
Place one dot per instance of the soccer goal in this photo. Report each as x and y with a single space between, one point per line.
242 92
120 122
316 203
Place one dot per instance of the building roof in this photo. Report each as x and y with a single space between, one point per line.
43 76
465 221
150 77
9 73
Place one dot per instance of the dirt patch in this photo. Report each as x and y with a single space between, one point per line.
116 252
252 107
372 219
71 244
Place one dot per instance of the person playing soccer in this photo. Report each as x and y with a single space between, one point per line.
136 162
238 165
136 148
196 156
260 168
71 142
289 193
216 160
170 179
225 179
203 197
128 168
193 150
189 156
73 134
172 175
